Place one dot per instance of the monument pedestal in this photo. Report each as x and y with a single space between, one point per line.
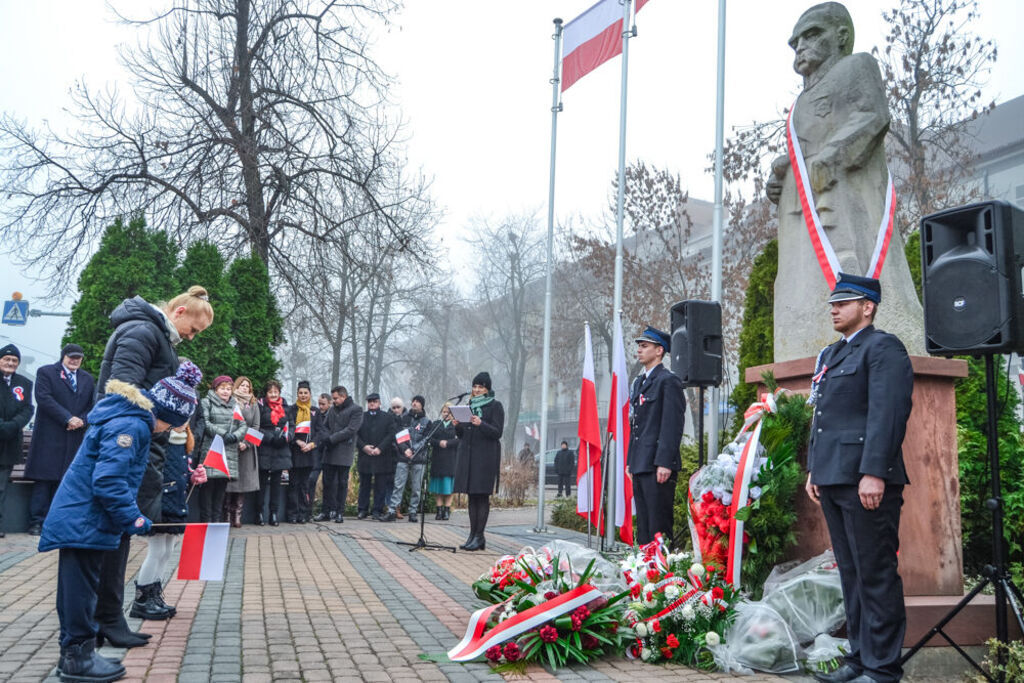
931 555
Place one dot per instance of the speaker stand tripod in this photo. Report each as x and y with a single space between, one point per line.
421 543
996 574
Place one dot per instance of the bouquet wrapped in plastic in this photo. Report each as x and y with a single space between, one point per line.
809 596
760 639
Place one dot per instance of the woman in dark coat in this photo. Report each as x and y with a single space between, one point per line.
274 453
479 457
141 352
444 444
302 413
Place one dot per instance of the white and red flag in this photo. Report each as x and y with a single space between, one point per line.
254 436
204 548
403 436
591 39
588 465
302 427
215 456
237 415
618 427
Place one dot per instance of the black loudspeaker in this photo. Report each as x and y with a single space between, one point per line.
971 260
697 342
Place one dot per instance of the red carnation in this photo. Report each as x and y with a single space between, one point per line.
511 652
672 641
653 575
746 537
550 595
548 634
717 593
656 626
708 497
666 653
493 653
589 642
634 591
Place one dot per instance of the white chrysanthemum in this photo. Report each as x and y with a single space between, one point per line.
712 638
672 591
641 629
755 492
687 613
646 654
697 569
704 610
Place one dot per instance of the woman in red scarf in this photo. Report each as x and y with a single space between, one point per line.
274 454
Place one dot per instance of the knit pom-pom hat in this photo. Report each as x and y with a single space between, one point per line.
174 398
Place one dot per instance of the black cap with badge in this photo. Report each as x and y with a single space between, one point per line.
853 287
655 336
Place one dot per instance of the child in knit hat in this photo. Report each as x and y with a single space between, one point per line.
96 504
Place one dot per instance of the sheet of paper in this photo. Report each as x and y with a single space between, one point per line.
461 413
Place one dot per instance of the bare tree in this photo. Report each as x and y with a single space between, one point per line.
248 122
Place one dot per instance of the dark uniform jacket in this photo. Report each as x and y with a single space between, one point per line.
442 462
860 418
377 429
479 457
53 447
657 407
15 412
342 425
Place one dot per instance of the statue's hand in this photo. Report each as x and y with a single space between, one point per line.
822 175
773 187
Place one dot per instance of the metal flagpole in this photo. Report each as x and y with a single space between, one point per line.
546 365
716 248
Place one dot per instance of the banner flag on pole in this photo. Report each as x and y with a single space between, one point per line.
618 427
591 39
204 548
237 415
588 466
254 436
215 456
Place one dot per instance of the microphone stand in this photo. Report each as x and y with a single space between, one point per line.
421 543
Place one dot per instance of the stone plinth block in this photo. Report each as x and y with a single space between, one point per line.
931 555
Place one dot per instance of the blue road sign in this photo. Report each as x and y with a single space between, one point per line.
15 312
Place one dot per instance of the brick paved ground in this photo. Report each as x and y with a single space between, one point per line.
327 602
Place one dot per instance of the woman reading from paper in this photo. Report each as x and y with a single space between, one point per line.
479 457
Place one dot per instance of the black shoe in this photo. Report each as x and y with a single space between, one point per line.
323 517
81 663
391 517
476 543
379 517
158 595
35 529
412 516
339 518
273 519
362 515
119 635
146 605
472 537
841 675
447 512
260 520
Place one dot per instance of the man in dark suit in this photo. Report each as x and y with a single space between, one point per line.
15 412
657 408
862 398
64 396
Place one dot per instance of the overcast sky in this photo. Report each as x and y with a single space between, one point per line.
472 81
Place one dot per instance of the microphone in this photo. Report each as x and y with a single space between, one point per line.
458 398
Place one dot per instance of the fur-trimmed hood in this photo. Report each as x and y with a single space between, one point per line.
130 392
121 400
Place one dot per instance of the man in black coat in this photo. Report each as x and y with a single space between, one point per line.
64 394
862 399
343 422
565 468
376 434
657 411
15 412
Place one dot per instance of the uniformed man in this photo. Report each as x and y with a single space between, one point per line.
862 399
657 407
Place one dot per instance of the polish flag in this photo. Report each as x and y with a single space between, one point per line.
254 436
204 548
588 465
403 436
215 456
237 415
302 427
591 39
618 427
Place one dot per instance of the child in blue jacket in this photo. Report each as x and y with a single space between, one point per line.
95 504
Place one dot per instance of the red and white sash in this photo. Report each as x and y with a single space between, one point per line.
827 258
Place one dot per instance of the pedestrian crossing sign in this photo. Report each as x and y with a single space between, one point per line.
15 312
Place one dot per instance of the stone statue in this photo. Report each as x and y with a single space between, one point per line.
841 119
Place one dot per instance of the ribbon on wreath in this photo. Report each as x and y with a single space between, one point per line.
823 250
478 638
741 485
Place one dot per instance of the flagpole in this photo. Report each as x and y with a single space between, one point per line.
716 248
546 364
627 32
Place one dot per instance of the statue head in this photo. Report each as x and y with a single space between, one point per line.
822 35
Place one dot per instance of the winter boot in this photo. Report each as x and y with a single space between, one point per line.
158 596
83 665
146 605
440 512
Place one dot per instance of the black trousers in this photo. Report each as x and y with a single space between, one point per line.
865 543
479 509
565 481
211 500
335 487
300 495
78 579
110 592
654 503
270 488
377 485
5 475
42 495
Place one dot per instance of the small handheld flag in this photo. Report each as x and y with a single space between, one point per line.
238 414
403 436
215 456
254 436
203 551
302 427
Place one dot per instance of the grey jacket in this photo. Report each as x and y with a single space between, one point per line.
220 420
